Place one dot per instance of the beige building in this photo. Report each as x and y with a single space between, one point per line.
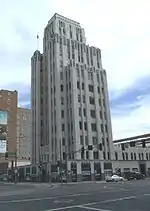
70 107
24 135
69 97
8 123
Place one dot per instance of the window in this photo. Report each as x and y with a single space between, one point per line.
94 140
84 112
95 154
86 140
78 85
131 156
90 76
69 85
126 156
98 89
62 113
139 156
82 86
146 156
100 113
79 111
62 101
8 101
106 129
92 100
79 98
116 155
87 155
93 113
63 141
61 64
123 157
82 155
97 77
64 156
80 125
91 88
102 130
93 127
85 126
134 156
83 98
99 102
104 155
63 127
61 88
82 71
103 102
108 155
81 140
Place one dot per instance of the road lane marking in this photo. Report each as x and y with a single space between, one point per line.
92 208
40 199
63 201
94 203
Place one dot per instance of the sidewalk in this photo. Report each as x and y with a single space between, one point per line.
41 184
85 182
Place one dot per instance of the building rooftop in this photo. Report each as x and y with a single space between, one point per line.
56 15
143 137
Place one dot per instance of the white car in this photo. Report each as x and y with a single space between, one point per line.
114 178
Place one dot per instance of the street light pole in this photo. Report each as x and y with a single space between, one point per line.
60 163
66 163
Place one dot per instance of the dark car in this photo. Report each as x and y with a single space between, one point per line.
135 176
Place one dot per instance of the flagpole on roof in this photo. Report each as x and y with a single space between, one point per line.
37 37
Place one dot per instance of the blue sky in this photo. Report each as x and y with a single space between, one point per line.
119 28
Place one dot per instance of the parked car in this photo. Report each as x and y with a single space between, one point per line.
114 178
135 176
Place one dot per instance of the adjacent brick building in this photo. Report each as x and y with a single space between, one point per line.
8 105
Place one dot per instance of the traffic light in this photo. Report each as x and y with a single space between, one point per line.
100 147
90 147
82 149
58 163
6 155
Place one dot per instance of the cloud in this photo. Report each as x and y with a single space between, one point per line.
130 110
119 28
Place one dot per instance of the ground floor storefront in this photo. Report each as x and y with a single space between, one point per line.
75 171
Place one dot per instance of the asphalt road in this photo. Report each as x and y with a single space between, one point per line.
125 196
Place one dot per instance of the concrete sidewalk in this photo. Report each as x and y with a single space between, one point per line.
49 184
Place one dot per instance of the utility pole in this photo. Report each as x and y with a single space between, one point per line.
66 163
16 172
60 163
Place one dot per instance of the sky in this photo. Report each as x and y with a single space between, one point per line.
119 28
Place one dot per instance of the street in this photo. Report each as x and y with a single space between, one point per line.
121 196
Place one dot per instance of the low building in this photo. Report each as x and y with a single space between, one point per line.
132 153
24 135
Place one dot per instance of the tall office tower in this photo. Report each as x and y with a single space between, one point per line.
70 105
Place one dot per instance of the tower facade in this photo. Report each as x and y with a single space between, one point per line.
70 105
